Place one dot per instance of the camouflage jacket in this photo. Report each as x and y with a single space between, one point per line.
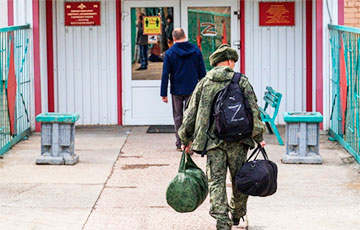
197 114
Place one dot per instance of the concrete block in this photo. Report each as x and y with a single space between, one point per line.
302 138
57 139
296 159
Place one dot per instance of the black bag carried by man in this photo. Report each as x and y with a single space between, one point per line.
189 188
257 177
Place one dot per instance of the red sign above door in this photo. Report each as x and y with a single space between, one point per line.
82 14
277 13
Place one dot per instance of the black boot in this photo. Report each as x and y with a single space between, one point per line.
236 221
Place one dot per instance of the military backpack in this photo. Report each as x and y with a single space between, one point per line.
232 113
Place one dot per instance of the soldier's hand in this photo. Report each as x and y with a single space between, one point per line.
164 99
263 143
187 149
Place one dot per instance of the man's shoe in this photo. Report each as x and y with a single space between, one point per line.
141 68
178 149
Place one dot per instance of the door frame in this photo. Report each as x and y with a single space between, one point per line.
128 83
180 20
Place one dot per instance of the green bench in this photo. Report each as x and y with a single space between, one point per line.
273 99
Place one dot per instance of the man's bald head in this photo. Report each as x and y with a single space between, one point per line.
178 34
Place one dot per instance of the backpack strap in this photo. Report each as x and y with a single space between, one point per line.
236 78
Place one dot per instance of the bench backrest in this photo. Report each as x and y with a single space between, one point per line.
273 99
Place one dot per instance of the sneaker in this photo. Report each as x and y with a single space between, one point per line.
178 149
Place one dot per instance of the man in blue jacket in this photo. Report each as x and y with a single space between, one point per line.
184 64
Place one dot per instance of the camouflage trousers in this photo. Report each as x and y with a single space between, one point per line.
228 155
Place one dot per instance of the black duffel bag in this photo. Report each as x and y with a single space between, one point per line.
257 177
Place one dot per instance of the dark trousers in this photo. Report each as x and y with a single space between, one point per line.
143 56
178 104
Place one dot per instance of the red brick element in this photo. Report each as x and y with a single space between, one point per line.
352 13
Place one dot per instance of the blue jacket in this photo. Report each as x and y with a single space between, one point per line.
184 64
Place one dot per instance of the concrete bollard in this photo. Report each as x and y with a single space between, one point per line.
302 138
57 139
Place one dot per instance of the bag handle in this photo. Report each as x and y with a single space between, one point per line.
264 153
186 162
257 151
182 163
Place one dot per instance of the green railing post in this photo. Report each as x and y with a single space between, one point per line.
346 39
19 35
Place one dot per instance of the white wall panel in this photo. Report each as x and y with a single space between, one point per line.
275 56
85 67
330 16
43 57
3 14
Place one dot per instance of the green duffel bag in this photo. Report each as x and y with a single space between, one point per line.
189 188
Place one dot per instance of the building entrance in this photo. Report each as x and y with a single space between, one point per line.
147 36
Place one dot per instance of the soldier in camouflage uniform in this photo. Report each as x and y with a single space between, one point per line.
220 154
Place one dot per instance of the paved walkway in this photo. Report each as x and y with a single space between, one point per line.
121 180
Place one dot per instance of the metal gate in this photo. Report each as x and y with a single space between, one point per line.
345 115
14 86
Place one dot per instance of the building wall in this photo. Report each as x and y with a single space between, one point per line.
276 56
85 68
352 13
3 14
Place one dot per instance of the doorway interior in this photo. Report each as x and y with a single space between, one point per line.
207 24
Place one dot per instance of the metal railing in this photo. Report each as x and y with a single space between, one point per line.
14 85
345 114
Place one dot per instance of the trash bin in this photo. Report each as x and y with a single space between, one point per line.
302 138
57 138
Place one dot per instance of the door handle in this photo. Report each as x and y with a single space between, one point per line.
125 110
124 45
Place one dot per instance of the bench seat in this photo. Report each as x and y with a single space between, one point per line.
272 99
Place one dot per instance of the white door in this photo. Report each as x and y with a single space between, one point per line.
142 101
207 24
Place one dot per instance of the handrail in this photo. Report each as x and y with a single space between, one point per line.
345 115
14 119
345 28
14 28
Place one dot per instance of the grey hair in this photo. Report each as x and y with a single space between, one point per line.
178 34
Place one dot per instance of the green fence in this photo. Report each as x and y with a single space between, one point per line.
14 86
345 115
